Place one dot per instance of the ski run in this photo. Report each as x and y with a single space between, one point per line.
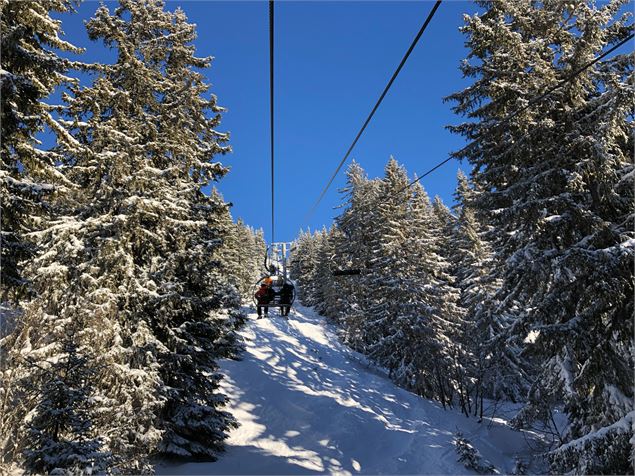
307 404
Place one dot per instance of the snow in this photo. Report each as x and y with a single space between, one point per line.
307 404
630 243
624 424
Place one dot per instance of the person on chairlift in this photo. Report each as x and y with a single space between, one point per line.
286 297
264 296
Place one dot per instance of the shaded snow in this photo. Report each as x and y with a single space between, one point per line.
307 404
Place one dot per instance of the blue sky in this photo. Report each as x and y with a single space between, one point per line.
333 59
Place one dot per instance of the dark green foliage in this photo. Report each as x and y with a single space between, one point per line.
60 433
31 69
556 184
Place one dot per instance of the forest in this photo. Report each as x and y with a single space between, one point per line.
125 278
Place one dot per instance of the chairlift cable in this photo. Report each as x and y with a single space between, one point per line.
531 103
381 98
508 118
273 223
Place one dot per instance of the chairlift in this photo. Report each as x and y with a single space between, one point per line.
276 282
276 274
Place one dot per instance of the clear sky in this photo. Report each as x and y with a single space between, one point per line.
333 59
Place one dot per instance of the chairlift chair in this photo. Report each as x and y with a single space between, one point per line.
275 264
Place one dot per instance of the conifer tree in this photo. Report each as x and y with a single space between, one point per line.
239 249
31 70
556 181
133 258
432 320
304 267
340 292
246 251
189 317
60 432
356 224
388 262
493 367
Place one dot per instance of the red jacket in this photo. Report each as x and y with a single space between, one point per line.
264 295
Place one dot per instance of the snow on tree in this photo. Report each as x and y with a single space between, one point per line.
31 69
493 368
239 249
84 281
340 292
353 251
60 432
248 248
400 310
557 181
471 457
383 283
134 257
194 314
153 130
304 265
432 354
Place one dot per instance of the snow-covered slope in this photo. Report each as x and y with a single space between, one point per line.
307 404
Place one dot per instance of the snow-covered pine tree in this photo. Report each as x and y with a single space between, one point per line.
557 179
386 282
119 262
486 359
151 122
339 292
241 251
297 260
327 289
355 225
247 248
31 69
431 320
194 314
60 432
304 266
402 309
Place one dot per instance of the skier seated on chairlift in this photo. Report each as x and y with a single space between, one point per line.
286 297
264 296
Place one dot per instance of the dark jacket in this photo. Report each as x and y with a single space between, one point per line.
264 295
286 293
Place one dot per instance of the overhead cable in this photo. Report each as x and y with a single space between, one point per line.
532 102
381 98
273 223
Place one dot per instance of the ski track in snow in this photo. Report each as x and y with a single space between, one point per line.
307 404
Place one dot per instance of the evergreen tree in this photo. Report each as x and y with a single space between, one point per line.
304 266
31 70
556 181
325 289
432 320
247 248
493 368
60 434
188 315
239 248
340 292
134 258
400 311
387 280
356 224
